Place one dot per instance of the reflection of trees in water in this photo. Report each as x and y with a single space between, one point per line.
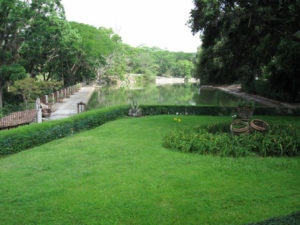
188 94
177 94
209 96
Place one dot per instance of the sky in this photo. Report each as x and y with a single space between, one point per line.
153 23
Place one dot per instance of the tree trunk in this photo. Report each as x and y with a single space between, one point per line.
1 93
25 101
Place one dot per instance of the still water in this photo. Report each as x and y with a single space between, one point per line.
179 94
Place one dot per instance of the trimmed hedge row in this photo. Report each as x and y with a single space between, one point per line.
21 138
16 140
211 110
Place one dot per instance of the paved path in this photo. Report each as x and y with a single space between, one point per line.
69 106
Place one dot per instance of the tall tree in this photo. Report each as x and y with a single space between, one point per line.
16 17
242 39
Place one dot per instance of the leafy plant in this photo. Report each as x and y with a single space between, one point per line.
134 106
28 88
246 104
281 140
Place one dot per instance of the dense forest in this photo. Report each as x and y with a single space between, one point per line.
41 51
253 42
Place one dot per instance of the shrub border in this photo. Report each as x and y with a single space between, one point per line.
213 110
21 138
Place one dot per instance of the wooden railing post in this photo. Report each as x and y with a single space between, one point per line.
38 110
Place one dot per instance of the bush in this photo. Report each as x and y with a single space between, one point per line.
211 110
215 139
16 140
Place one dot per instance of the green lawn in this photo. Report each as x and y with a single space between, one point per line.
119 173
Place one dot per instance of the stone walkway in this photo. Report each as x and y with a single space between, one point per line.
69 106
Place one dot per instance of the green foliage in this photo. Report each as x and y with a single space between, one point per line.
48 87
284 70
9 108
160 62
209 110
186 110
16 18
184 68
21 138
245 104
215 128
28 88
215 139
245 40
9 73
50 44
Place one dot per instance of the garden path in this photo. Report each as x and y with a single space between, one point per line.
69 106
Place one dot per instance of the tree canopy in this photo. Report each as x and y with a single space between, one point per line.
16 18
38 42
248 41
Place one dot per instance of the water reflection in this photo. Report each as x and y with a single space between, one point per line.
179 94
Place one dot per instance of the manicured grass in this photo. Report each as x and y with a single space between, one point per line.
119 173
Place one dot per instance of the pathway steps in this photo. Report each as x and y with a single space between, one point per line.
69 106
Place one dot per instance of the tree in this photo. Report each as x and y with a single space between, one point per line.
16 17
184 68
10 73
99 47
48 87
242 39
47 42
28 88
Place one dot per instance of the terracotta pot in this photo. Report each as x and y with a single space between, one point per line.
259 125
245 113
237 131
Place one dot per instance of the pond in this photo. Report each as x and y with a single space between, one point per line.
178 94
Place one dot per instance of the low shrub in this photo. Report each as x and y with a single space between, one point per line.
212 110
215 128
16 140
215 139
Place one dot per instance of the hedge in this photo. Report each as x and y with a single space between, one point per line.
21 138
212 110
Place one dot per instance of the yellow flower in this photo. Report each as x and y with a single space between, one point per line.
179 120
175 118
